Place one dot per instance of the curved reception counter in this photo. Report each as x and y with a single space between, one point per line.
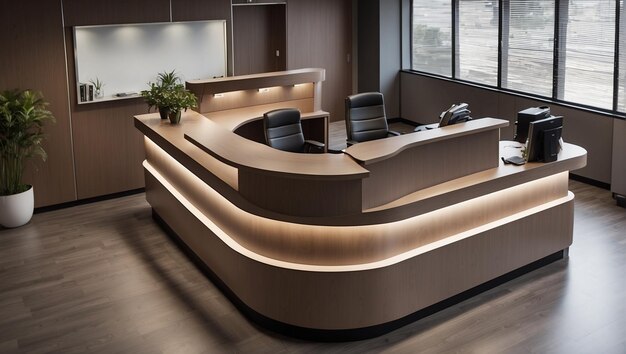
352 245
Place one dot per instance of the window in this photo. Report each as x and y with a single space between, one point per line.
565 50
528 48
589 29
621 91
432 36
478 41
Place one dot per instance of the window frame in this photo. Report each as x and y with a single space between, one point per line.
558 63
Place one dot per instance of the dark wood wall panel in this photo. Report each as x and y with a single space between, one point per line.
258 32
106 12
108 150
34 58
320 35
198 10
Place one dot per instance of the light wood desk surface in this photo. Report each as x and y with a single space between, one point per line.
255 81
242 153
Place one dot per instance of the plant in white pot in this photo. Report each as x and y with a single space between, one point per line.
22 116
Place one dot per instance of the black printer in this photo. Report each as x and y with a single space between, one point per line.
525 117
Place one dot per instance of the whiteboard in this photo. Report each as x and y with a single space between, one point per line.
126 57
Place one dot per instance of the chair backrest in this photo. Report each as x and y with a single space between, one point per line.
365 117
283 130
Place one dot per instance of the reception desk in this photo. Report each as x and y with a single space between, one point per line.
346 246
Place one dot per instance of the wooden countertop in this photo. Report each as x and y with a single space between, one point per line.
254 81
226 147
234 150
376 150
242 153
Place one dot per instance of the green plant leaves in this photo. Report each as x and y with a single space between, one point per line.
22 116
169 93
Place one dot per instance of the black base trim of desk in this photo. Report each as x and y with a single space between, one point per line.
324 335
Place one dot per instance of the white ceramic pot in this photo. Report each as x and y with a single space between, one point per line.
17 209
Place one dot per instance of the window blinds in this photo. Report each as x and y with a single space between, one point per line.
528 49
478 41
432 36
588 28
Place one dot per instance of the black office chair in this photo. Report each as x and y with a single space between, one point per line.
283 131
365 118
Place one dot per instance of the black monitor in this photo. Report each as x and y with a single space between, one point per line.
544 139
455 114
525 117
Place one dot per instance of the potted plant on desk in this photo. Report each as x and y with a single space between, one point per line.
178 99
155 96
22 116
154 99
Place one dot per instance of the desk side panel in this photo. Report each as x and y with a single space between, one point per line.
426 165
301 197
362 298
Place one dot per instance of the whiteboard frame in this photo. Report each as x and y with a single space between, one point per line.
138 94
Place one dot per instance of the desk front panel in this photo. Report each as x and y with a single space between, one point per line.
427 165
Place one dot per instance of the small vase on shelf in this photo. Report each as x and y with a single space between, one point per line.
98 88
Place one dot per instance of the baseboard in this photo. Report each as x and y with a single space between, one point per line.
88 200
620 199
590 181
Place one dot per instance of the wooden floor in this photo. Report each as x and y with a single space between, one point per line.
104 277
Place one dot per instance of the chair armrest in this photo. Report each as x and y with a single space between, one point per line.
313 146
393 133
333 151
351 142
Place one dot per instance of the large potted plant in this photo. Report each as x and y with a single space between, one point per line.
22 116
178 99
155 95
